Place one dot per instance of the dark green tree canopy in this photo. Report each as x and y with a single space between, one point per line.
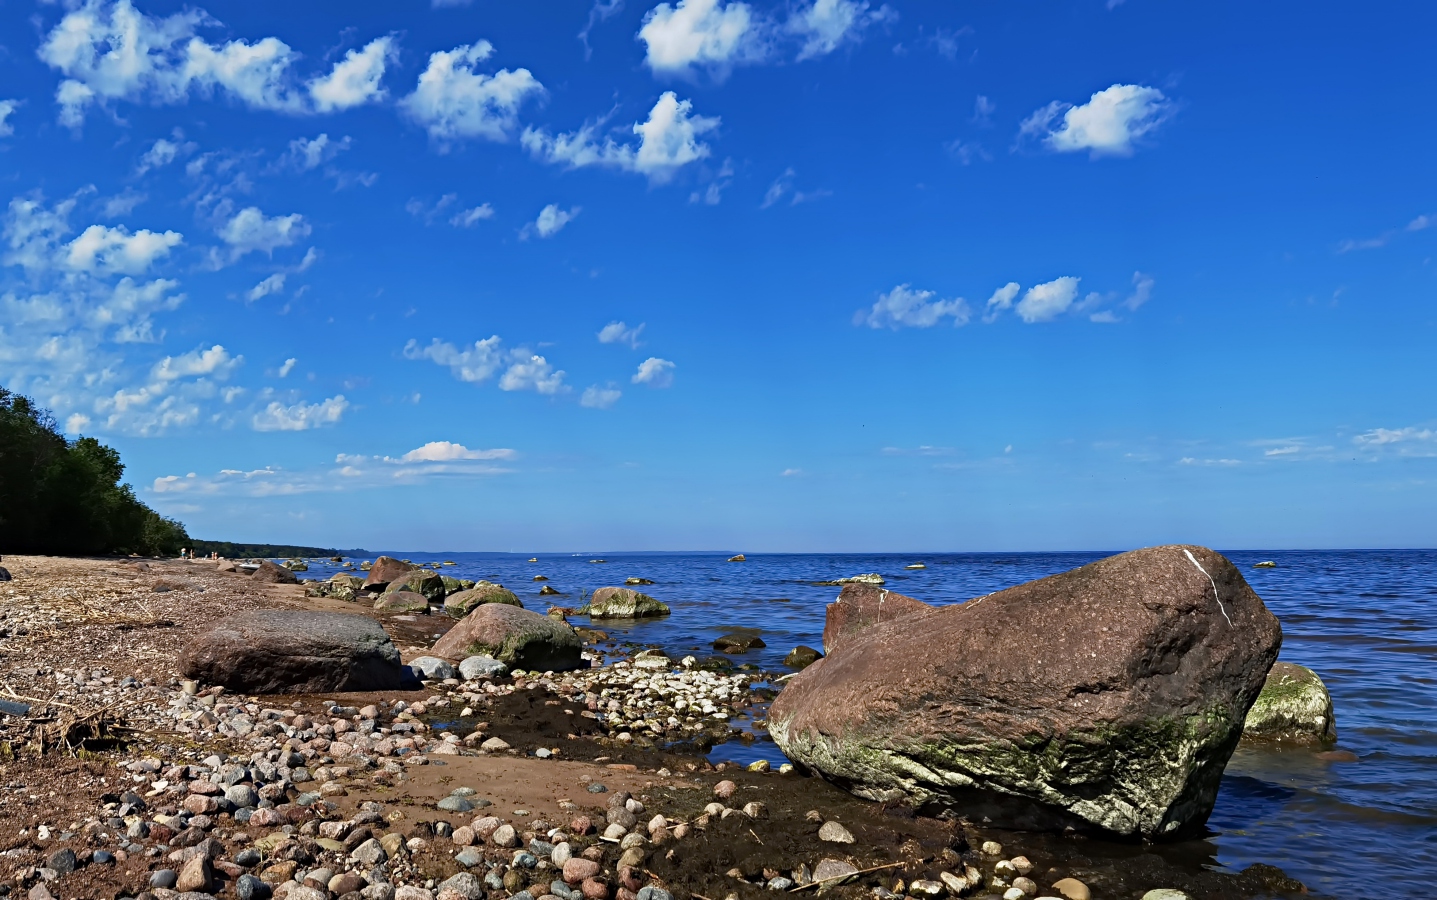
64 497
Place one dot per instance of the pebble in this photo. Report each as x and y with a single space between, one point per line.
1072 889
991 848
1166 894
926 888
164 878
832 869
596 788
835 833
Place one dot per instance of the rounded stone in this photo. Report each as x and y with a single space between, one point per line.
835 833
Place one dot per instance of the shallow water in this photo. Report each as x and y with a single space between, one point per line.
1366 621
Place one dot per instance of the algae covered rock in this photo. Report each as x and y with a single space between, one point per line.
419 581
461 604
401 602
622 603
517 637
1294 706
802 657
1105 699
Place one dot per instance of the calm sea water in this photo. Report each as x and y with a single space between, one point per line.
1366 621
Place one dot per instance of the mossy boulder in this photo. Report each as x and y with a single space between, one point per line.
1294 707
401 602
802 657
452 585
1106 699
419 581
461 604
622 603
517 637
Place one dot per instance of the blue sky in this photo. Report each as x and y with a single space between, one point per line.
815 275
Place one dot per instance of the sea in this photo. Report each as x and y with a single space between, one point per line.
1355 825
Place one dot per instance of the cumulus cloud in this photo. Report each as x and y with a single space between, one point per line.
354 80
250 231
288 367
475 214
311 153
1001 300
445 451
472 364
668 140
271 285
904 307
1111 123
826 25
533 373
300 416
1045 302
103 249
163 152
216 362
655 372
701 34
551 221
596 397
454 102
112 51
7 109
619 333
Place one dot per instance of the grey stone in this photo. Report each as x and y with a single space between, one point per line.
465 885
164 878
432 668
62 861
248 887
835 833
455 804
369 854
833 869
298 651
1166 894
654 893
248 858
469 858
242 795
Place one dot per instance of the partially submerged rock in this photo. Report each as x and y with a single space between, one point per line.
802 657
461 604
274 651
738 642
622 603
269 573
384 570
1106 698
1294 707
516 637
868 578
861 606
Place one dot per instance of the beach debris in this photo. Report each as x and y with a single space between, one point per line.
1294 707
1139 623
268 651
622 603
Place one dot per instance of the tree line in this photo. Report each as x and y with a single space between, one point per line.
64 498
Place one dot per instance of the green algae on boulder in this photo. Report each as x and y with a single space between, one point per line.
1294 707
401 602
419 581
517 637
622 603
461 604
1105 699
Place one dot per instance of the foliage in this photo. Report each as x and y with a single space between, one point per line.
65 497
231 550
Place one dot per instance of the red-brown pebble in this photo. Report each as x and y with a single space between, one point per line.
725 789
594 889
578 869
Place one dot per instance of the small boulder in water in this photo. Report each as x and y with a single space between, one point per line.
1265 564
738 642
739 558
802 657
1294 707
636 580
869 578
622 603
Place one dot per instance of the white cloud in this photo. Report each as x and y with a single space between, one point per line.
967 152
655 372
249 230
826 25
668 141
453 102
103 249
1045 302
905 307
7 109
163 152
1225 463
111 51
300 416
783 186
532 374
1142 291
599 12
445 451
596 397
123 203
468 217
1109 124
310 153
703 34
1420 223
288 367
620 333
472 364
76 423
355 79
983 109
215 362
1001 300
271 285
1381 437
713 194
791 473
551 221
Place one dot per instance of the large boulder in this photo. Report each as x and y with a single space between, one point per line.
418 581
461 604
1294 707
401 602
384 570
270 573
516 637
1108 698
622 603
860 606
271 651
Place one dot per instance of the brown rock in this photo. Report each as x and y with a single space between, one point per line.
1107 698
860 606
725 789
345 883
298 651
269 573
517 637
385 570
578 869
581 825
195 875
594 889
401 602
